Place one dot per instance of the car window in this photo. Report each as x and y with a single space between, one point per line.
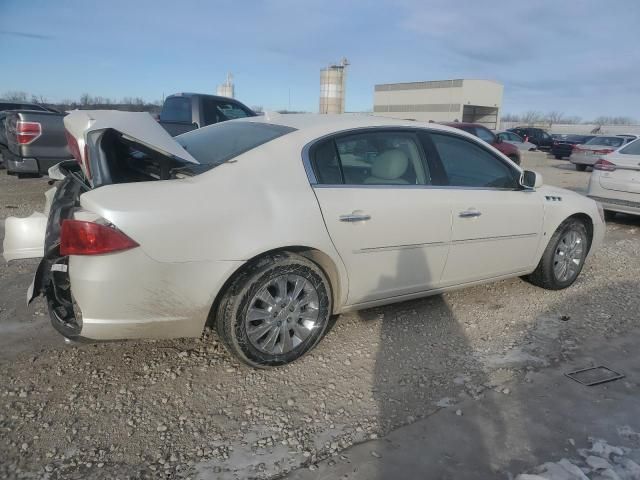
176 109
374 158
484 134
606 141
219 111
545 135
467 164
632 148
514 138
219 143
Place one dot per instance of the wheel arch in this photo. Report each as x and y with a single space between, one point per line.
320 258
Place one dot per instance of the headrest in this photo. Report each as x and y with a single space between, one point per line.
390 164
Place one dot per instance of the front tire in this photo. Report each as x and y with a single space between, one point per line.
581 168
564 257
275 311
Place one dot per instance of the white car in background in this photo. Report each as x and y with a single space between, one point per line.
586 154
615 181
517 140
266 226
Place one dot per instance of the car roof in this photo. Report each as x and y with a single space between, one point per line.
324 124
193 94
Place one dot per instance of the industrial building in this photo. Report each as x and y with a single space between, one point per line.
475 101
332 87
226 89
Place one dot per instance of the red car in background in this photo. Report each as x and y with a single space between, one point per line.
483 133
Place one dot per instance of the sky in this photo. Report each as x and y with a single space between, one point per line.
579 57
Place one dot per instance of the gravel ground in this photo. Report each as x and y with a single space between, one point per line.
185 408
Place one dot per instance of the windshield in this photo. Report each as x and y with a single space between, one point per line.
221 142
606 141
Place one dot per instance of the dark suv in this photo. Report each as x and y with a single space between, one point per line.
483 133
539 137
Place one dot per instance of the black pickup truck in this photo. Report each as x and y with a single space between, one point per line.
35 141
183 112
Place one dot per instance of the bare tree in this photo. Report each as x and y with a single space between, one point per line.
85 99
554 117
530 117
574 120
510 117
16 96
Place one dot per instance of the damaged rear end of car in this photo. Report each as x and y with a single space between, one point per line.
109 148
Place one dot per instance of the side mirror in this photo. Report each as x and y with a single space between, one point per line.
530 179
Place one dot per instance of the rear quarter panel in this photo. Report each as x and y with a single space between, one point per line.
255 203
52 143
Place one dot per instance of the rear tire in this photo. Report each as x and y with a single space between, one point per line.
562 252
275 310
581 168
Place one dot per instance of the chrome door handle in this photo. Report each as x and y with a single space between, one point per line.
355 217
469 214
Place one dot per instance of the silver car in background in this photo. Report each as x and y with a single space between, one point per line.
587 154
517 140
615 181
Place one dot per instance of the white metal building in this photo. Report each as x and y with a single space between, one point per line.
475 101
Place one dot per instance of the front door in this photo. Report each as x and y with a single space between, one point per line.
391 230
496 225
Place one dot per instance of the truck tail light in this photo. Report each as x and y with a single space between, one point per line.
604 165
27 132
89 238
74 148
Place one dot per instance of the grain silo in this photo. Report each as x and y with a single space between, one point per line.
332 87
226 89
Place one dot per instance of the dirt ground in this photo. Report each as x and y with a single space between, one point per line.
186 409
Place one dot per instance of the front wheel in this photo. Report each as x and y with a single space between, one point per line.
581 168
276 310
564 257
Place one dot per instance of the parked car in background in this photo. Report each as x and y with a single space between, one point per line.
184 112
539 137
517 140
35 141
491 138
5 106
267 226
563 146
615 181
586 154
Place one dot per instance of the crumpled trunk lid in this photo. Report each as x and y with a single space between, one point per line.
87 129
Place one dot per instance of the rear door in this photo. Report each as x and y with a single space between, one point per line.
496 225
389 226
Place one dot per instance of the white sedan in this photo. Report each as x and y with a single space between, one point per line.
615 181
265 227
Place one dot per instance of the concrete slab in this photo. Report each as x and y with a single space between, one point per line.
543 419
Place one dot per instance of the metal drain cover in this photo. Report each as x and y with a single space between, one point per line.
594 375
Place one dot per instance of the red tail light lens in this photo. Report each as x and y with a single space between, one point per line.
604 165
88 238
74 148
27 132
